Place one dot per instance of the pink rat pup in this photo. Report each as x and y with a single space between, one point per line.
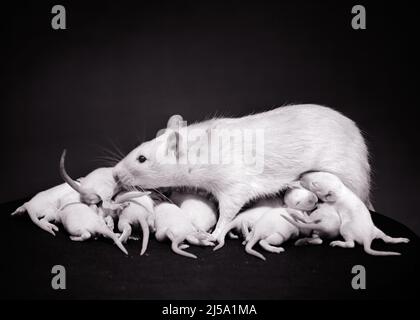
201 211
82 223
323 222
173 224
245 220
43 207
270 231
137 213
356 224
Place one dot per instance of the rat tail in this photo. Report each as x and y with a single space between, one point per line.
369 250
222 236
145 229
111 235
250 244
20 210
175 246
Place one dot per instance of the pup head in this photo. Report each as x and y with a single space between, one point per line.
325 185
300 198
154 163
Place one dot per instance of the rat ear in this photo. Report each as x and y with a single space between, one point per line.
174 143
160 132
175 122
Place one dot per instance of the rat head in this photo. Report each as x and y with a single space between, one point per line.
87 196
154 163
326 186
297 197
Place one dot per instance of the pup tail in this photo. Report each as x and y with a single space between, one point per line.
222 236
145 229
111 235
20 210
250 244
175 246
369 250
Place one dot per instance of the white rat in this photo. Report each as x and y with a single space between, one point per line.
173 224
82 223
137 213
356 222
270 231
201 211
294 141
245 220
42 208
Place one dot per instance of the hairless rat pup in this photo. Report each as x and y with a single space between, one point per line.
201 211
270 231
322 223
82 222
299 198
246 220
138 211
173 224
294 141
43 207
356 222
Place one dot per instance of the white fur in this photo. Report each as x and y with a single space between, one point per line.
297 139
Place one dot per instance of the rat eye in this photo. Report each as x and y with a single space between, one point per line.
141 159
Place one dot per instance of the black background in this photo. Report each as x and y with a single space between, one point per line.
122 68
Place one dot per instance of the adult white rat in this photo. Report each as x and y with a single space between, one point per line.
289 141
42 208
356 222
201 211
173 224
82 223
246 220
270 231
138 211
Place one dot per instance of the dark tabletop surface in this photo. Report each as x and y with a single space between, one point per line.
97 269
